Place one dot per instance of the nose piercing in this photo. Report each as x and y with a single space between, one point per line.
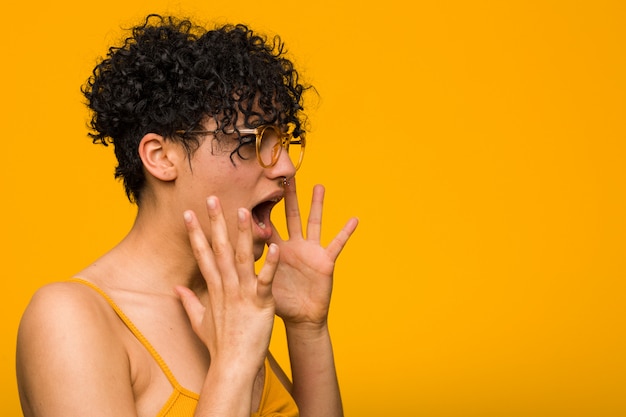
285 182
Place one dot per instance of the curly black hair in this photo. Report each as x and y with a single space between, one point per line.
171 75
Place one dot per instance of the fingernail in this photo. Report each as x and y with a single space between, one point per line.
187 216
211 202
272 248
241 213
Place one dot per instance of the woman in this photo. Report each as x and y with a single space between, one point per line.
207 128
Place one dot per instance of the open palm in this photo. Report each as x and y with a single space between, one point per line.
304 279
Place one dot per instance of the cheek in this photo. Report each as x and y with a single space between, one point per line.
247 153
213 233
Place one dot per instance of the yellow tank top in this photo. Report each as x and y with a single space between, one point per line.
275 399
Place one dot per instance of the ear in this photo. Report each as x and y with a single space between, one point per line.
159 156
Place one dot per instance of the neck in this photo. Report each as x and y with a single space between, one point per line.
154 257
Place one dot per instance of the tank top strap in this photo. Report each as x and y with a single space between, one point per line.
159 360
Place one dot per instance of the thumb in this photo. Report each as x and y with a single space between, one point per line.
192 305
266 274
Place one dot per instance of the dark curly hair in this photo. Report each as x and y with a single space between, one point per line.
171 75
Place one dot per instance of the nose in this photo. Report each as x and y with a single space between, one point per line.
283 167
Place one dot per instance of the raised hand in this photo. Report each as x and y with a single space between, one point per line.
236 322
303 282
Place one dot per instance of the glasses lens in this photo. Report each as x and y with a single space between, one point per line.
296 151
270 147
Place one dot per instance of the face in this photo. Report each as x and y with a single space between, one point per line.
236 181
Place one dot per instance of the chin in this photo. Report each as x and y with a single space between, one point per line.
258 250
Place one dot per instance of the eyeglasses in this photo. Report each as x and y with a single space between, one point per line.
270 141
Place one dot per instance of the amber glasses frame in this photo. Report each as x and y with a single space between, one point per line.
285 139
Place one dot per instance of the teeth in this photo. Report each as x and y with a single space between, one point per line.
261 225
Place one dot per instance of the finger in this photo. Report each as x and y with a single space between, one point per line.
220 243
244 255
339 242
266 274
314 224
292 211
194 309
275 238
202 250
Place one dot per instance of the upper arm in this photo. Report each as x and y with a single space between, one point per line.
69 362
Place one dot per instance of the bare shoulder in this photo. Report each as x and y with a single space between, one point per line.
69 355
62 312
59 297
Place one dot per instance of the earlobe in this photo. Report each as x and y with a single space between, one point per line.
158 157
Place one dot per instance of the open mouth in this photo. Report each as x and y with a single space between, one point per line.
261 214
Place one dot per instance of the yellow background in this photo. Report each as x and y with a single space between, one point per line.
480 143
